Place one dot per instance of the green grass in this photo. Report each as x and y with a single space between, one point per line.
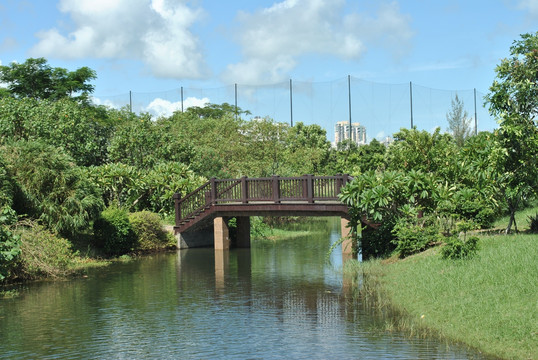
489 302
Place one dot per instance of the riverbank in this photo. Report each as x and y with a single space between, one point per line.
487 302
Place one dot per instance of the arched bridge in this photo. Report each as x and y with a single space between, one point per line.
201 216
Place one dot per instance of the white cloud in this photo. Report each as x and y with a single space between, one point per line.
160 107
530 5
273 39
153 31
108 103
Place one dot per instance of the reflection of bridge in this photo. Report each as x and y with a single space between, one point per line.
218 200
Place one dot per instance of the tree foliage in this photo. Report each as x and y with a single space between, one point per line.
459 123
216 111
307 150
136 189
420 150
37 80
513 99
77 129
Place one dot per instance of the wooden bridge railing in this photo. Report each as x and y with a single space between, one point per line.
274 189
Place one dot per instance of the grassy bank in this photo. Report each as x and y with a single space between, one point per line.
488 302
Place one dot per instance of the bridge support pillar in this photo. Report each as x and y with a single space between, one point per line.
222 264
348 246
221 234
243 231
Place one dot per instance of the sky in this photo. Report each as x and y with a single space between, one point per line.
155 47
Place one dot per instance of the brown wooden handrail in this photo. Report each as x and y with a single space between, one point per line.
302 189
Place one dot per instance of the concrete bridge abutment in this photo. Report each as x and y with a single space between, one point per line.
221 233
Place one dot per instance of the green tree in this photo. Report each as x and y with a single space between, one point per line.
264 145
513 99
135 142
419 150
136 189
36 79
459 123
216 110
377 200
307 150
350 158
216 145
476 194
79 130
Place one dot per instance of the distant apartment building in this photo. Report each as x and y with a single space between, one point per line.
387 141
341 133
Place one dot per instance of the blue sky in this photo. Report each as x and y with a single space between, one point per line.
150 46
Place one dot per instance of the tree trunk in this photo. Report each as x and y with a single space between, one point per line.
512 207
511 221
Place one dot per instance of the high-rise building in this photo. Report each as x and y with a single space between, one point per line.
341 133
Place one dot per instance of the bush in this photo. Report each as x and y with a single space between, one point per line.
7 189
458 248
9 243
470 205
412 238
113 232
148 231
42 252
49 187
377 242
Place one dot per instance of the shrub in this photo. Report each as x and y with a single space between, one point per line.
470 205
42 252
7 188
49 187
377 242
460 248
9 243
258 228
113 232
148 231
413 237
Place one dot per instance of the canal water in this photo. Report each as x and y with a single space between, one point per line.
278 300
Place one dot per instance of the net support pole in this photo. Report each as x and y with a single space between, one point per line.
349 102
235 90
291 104
411 101
475 115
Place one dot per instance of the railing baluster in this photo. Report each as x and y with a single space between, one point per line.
213 191
177 197
276 189
309 188
244 190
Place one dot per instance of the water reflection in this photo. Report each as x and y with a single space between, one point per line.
274 301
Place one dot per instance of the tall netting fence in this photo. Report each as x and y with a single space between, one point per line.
382 109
